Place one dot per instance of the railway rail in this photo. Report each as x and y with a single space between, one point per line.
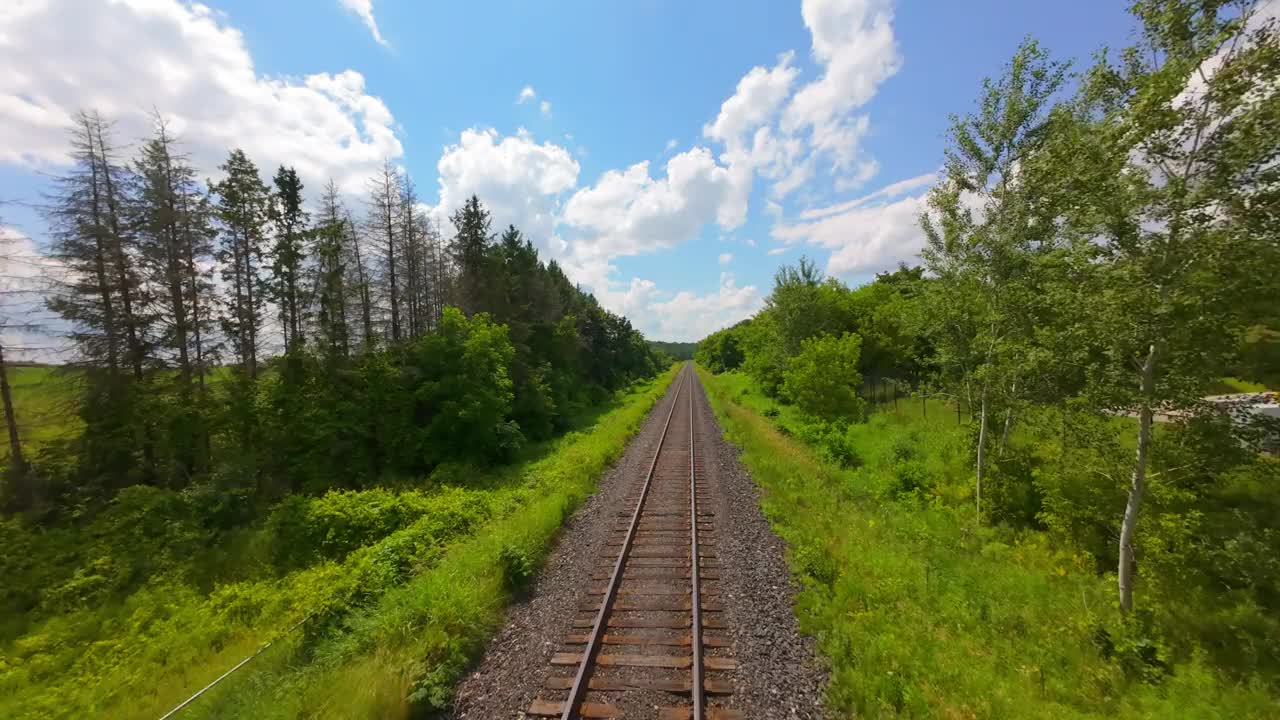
652 638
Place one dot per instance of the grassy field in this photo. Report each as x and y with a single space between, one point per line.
919 612
399 595
44 400
1230 385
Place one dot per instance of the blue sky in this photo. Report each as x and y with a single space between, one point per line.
790 128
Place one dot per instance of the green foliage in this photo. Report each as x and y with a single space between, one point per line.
517 569
721 351
304 530
676 351
466 391
401 590
823 379
921 615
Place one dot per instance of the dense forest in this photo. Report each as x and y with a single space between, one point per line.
233 342
1099 261
251 361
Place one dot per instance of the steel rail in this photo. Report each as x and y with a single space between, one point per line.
696 637
594 641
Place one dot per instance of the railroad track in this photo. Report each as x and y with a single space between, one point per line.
650 638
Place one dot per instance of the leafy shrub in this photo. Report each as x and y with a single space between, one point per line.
903 449
823 379
517 569
909 477
816 563
1010 493
508 440
306 529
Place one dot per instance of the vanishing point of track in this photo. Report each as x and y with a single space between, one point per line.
645 628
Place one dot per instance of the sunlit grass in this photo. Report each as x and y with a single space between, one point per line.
922 613
44 400
401 617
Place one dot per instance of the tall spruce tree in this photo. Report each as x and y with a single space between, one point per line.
102 297
384 231
469 251
242 208
329 291
287 255
175 241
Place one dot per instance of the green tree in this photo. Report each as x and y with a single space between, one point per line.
1170 155
287 254
176 246
466 392
470 251
983 226
823 379
242 207
329 293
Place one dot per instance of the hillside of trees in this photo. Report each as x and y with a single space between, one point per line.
1100 254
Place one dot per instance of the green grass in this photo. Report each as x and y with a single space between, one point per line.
44 400
919 612
1230 385
400 617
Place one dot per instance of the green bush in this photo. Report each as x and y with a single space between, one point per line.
922 613
306 529
823 379
517 569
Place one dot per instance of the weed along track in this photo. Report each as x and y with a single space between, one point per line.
650 640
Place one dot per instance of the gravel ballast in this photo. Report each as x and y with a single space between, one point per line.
778 676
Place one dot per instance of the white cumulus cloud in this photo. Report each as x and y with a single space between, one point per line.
518 179
628 212
754 102
527 93
865 235
853 40
690 316
126 57
726 258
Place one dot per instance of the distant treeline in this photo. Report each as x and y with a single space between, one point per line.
674 350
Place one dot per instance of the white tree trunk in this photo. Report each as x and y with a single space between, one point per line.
1004 436
982 448
1138 483
1008 423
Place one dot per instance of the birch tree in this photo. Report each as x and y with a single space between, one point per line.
982 229
1173 160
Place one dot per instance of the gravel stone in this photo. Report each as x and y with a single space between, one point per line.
779 676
